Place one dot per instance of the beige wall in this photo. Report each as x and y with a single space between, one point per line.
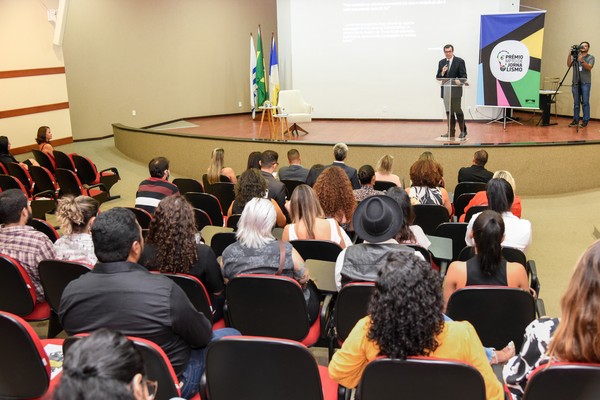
27 44
165 59
568 23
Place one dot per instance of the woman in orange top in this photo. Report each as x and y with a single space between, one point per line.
405 319
43 138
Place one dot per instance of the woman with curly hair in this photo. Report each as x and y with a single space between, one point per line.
171 247
335 194
76 216
425 187
308 221
573 337
250 185
487 267
405 320
43 138
217 168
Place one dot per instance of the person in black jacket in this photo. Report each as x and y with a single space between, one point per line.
453 67
477 171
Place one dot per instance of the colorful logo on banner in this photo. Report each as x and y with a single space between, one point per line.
510 57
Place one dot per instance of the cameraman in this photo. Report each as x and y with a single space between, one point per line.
582 81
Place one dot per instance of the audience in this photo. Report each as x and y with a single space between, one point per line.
408 233
480 198
477 171
254 160
250 185
152 190
384 170
295 171
7 158
487 267
43 138
425 179
76 216
21 241
104 365
313 174
573 337
428 156
309 222
406 319
334 191
517 231
366 177
172 246
256 251
122 295
340 153
217 168
276 189
376 220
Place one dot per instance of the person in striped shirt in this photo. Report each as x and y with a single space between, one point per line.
152 190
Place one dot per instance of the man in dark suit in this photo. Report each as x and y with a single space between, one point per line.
477 171
453 67
277 191
340 152
295 171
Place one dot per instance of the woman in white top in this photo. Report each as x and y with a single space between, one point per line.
517 231
76 216
383 170
308 222
408 233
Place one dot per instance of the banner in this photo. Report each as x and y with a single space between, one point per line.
510 57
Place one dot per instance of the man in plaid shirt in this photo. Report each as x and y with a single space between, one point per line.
20 241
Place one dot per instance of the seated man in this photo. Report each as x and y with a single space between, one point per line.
122 295
295 171
477 171
152 190
377 220
21 241
276 188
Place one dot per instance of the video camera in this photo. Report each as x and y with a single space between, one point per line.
575 50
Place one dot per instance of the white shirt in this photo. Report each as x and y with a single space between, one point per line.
517 231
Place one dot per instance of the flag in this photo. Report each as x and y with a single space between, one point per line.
261 95
252 76
273 74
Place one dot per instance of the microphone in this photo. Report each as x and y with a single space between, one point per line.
447 63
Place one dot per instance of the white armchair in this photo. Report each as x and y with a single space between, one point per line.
297 110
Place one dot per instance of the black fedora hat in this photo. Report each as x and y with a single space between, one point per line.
377 218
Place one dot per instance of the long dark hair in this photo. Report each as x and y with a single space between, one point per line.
405 234
406 308
488 231
100 366
4 145
500 195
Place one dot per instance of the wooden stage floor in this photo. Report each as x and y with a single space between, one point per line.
393 132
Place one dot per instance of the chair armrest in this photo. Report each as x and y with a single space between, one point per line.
533 279
344 393
96 186
114 170
540 309
326 314
44 194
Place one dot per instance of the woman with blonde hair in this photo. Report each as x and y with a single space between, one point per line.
217 168
573 337
309 222
171 247
480 198
76 216
334 191
383 170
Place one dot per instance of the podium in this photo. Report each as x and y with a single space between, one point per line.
452 94
546 101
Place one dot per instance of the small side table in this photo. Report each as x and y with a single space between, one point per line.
283 125
268 110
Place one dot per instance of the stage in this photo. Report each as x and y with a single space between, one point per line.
544 160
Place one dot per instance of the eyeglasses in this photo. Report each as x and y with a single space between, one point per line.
152 389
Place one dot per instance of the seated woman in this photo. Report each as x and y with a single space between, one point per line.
254 160
172 247
425 180
334 191
517 231
104 365
250 185
574 338
217 168
76 216
256 251
383 170
308 221
43 138
366 177
7 158
488 267
408 233
410 288
480 198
